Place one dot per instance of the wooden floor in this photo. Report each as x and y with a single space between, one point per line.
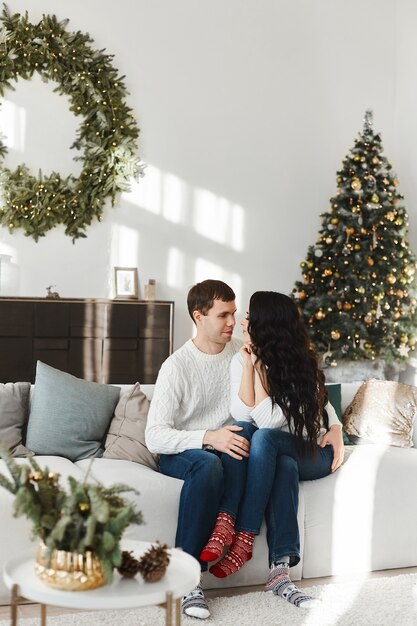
32 610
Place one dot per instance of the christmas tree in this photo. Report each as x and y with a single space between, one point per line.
357 298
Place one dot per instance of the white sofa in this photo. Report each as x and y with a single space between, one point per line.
361 518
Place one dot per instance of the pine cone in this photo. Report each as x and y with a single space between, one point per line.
153 564
129 566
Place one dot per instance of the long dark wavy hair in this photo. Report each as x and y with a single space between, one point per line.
294 380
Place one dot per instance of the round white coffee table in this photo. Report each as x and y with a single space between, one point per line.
182 575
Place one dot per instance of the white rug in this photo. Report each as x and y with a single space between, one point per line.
385 601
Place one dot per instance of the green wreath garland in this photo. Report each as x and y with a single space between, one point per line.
107 135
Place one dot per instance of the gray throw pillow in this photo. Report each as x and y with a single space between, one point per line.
14 410
69 416
126 436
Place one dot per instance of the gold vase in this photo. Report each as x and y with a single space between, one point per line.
70 571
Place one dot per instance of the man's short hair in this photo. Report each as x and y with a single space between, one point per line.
201 297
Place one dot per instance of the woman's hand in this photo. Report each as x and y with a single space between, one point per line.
246 353
334 438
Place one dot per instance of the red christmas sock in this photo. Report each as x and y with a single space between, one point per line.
238 555
223 535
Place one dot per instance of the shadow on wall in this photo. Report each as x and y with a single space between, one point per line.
184 232
190 234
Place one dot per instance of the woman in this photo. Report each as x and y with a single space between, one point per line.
277 385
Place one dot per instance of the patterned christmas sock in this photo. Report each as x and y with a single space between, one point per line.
223 535
195 604
280 583
238 555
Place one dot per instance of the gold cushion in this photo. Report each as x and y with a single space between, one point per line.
382 411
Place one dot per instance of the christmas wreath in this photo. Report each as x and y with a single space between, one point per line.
105 141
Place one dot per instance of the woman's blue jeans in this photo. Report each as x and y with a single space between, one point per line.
275 468
211 484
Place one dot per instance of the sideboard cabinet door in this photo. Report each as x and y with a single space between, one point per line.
105 341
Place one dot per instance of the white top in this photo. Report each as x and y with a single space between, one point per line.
191 396
265 414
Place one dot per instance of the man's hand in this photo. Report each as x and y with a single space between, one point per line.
227 440
334 437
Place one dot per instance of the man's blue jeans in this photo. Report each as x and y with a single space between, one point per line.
211 484
275 468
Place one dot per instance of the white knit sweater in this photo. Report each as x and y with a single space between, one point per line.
191 396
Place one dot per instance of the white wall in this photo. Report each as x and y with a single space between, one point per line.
246 109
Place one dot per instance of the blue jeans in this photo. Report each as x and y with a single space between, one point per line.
211 484
275 468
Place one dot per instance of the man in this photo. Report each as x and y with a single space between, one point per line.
189 420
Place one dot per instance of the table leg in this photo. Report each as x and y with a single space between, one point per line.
178 612
168 609
43 614
15 602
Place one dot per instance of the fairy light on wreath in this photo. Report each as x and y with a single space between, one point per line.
106 140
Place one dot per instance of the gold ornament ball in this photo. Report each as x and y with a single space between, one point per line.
349 230
329 240
409 270
370 261
84 506
375 198
375 160
404 339
301 295
356 184
367 319
347 306
334 220
320 315
367 345
396 315
36 476
335 334
327 273
357 246
391 279
310 264
361 289
398 221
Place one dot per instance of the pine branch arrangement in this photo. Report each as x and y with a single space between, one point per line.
88 516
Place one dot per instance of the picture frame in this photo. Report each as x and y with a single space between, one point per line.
126 283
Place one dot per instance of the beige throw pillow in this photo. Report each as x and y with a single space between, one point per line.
14 411
126 435
382 411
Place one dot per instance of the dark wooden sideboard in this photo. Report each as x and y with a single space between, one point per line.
107 341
